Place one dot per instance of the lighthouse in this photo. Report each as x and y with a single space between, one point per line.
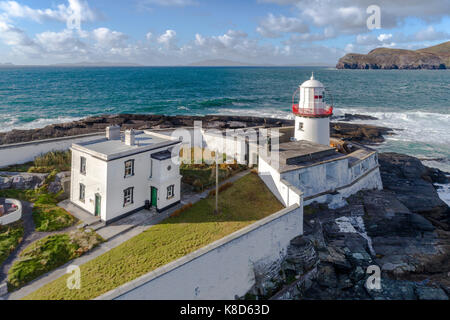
312 115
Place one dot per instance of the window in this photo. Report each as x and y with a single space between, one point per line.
170 192
151 168
128 196
82 192
300 126
83 165
129 168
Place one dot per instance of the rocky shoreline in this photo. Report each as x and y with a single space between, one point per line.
367 134
404 230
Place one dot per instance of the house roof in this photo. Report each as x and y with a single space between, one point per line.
113 149
163 155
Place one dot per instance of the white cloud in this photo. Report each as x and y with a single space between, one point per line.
168 39
273 26
61 13
383 37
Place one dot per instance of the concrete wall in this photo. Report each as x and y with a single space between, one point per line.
223 269
24 152
12 217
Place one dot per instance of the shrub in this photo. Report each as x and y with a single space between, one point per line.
177 213
222 188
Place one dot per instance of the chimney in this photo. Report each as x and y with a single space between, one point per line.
129 137
113 133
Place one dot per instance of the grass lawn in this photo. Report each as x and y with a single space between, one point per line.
247 201
10 237
47 215
49 253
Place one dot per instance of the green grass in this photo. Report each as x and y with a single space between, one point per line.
49 253
47 215
247 201
10 237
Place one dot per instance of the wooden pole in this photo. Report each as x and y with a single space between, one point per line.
217 184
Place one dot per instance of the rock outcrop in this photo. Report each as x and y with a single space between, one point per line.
437 57
389 229
21 181
356 132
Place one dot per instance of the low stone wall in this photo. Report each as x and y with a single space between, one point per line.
14 216
19 153
224 269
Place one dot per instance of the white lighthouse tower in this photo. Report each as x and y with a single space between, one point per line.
312 115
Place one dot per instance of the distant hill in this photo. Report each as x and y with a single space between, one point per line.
97 64
436 57
223 63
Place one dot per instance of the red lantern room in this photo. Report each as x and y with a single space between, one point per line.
311 100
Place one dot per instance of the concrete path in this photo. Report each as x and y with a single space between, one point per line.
116 235
78 213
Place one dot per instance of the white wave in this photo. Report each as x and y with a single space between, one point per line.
14 123
444 192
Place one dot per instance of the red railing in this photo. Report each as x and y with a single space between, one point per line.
312 112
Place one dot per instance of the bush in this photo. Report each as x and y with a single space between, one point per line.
58 160
177 213
222 188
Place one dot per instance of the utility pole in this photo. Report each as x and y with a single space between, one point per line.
216 211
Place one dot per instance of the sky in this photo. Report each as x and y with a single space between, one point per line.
178 32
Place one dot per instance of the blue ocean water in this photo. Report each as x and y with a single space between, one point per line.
416 103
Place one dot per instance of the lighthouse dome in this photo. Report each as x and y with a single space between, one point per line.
312 83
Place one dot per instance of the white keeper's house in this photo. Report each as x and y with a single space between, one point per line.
121 174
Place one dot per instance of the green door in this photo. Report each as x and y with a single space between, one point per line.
98 205
154 197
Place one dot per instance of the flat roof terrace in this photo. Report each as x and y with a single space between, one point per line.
301 154
113 149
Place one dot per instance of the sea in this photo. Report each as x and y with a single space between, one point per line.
415 103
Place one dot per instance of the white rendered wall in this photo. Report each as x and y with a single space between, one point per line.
324 183
12 217
95 181
160 178
222 270
24 152
316 130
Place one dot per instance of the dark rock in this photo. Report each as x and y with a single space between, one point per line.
404 175
353 117
429 293
366 134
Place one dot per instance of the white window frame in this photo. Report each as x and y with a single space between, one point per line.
129 170
82 196
83 165
171 192
128 196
